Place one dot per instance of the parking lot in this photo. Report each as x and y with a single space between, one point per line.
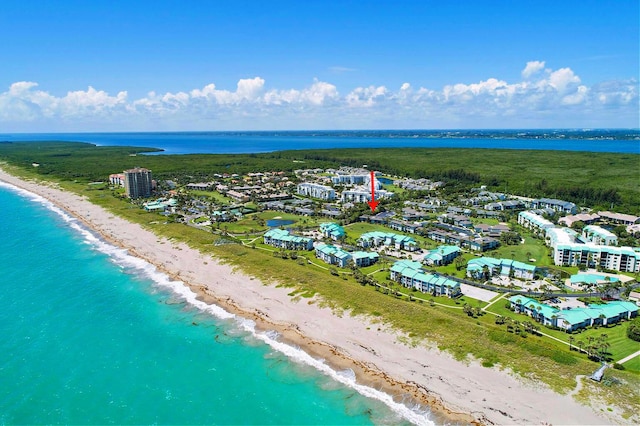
477 293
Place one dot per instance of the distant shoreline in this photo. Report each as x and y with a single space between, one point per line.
254 142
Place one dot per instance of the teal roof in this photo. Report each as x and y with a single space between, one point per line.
332 251
578 315
405 263
332 229
629 306
413 270
505 264
284 235
574 316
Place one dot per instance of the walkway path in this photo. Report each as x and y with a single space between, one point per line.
628 358
491 303
578 387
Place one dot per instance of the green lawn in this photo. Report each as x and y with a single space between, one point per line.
621 345
214 195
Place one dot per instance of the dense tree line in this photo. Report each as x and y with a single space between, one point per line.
573 176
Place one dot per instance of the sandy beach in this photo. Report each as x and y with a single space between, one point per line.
456 392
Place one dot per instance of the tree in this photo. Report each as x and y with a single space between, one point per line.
633 332
467 309
571 339
485 272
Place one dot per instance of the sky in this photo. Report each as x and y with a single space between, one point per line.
91 66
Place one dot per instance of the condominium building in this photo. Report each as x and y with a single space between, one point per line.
284 239
316 190
116 179
557 205
336 256
378 238
350 179
443 255
619 218
137 183
478 268
411 275
590 255
363 195
533 221
574 318
332 230
600 236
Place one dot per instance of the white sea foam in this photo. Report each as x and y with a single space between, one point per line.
414 415
121 258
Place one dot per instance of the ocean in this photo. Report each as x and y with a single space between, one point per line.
92 335
621 141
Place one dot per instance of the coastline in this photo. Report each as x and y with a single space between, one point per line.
456 392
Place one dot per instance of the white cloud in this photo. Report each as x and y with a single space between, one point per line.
533 67
576 98
563 78
558 96
366 96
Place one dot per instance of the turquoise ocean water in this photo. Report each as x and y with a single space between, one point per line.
91 335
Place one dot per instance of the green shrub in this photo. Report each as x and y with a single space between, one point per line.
633 332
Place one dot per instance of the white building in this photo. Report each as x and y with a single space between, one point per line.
533 221
316 190
363 194
557 205
599 236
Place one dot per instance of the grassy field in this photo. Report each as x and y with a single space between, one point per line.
213 195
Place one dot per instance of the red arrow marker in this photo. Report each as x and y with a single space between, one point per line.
373 203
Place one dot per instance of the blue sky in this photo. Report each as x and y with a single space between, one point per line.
219 65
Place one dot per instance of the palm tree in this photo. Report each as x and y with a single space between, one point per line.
602 317
580 343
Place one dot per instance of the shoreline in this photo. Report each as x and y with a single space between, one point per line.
455 392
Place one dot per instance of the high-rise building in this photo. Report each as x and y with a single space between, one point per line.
137 183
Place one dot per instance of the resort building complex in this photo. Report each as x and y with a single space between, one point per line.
534 222
557 205
411 275
363 194
283 239
336 256
575 318
316 190
332 230
599 236
486 267
388 239
443 255
137 183
596 247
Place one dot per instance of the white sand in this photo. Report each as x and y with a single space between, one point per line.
488 395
